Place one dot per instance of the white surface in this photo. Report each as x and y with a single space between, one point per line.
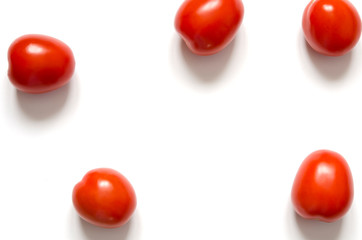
210 144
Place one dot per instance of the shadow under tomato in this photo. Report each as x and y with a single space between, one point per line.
45 105
332 68
92 232
317 230
207 68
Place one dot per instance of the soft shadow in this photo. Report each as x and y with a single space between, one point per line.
317 230
45 105
207 68
97 233
332 68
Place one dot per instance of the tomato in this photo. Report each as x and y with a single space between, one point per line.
208 26
331 27
104 198
39 63
323 187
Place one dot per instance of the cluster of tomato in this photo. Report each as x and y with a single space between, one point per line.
323 187
331 27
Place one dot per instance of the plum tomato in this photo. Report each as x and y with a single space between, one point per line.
331 27
323 187
208 26
39 63
104 198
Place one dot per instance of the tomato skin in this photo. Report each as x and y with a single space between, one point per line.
39 63
331 27
208 26
323 187
104 198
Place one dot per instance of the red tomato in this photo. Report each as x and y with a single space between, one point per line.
104 198
323 187
39 63
208 26
331 27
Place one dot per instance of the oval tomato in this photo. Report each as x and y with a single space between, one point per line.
39 63
208 26
323 187
331 27
104 198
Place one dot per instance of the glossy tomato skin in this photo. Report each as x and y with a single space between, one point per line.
323 187
39 63
104 198
331 27
208 26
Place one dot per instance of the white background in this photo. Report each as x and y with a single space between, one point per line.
210 144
